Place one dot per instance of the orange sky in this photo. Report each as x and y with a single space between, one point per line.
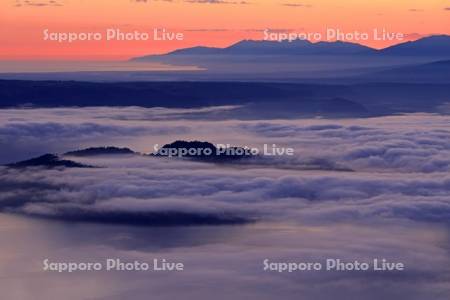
213 24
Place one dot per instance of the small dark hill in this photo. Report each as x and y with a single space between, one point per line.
203 151
94 151
47 161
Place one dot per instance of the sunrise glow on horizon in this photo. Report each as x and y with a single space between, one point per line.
216 23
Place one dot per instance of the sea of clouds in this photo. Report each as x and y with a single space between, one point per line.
396 166
355 189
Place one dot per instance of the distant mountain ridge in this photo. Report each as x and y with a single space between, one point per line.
427 46
253 47
438 45
47 161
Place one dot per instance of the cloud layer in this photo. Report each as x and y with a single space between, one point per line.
354 190
389 167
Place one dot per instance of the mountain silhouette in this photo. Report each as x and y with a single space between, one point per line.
48 161
203 151
253 47
93 151
297 47
438 45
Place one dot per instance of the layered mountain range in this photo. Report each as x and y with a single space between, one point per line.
436 45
